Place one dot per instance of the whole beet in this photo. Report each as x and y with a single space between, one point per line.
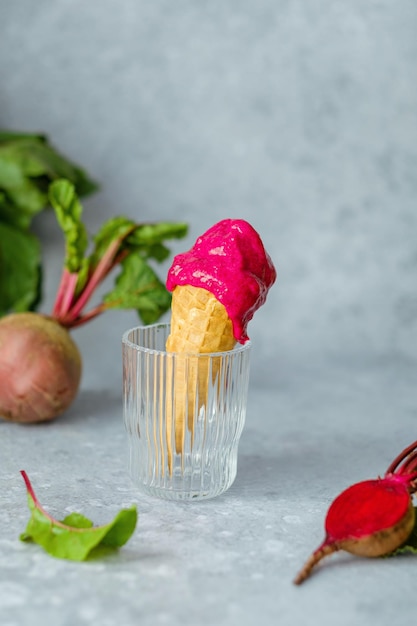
40 368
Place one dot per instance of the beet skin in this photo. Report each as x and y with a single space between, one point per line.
40 368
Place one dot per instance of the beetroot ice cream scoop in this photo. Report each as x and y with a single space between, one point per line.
229 262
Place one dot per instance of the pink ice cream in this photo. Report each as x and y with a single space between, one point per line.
230 261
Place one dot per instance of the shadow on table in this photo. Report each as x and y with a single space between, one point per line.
263 475
126 554
94 403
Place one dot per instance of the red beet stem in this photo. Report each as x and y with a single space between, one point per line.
69 308
405 465
86 317
40 508
396 462
65 294
100 272
28 485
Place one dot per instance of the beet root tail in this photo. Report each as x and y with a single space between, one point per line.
324 550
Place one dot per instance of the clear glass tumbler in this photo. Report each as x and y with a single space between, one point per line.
183 413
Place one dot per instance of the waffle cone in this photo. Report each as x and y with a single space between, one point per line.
199 325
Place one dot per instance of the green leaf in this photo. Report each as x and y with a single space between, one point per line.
112 231
20 270
138 287
144 239
36 158
28 163
10 135
147 239
22 197
149 235
68 211
75 537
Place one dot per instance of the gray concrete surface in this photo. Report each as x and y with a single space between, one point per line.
301 118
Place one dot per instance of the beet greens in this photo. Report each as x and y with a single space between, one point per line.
120 242
40 364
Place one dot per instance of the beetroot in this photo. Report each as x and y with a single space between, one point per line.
40 368
371 518
40 365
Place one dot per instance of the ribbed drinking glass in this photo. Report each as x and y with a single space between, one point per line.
183 413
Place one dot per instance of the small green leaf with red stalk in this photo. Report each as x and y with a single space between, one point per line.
75 538
119 242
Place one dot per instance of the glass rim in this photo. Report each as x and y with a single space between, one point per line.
238 348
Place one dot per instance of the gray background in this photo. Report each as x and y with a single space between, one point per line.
300 117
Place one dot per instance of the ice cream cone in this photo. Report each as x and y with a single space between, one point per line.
199 322
217 286
199 325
